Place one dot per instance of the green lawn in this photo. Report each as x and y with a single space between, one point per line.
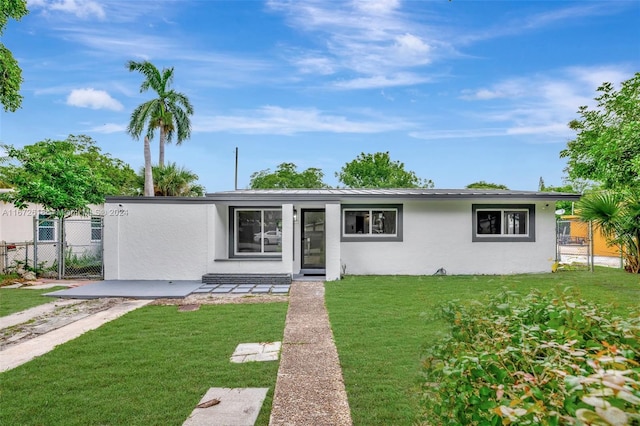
382 325
149 367
16 299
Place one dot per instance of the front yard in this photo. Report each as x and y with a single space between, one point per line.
151 366
383 325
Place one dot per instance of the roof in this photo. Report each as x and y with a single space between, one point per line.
354 194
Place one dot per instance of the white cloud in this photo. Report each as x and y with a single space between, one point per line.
94 99
108 128
374 40
276 120
80 8
381 81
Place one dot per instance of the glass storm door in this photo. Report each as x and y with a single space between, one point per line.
313 241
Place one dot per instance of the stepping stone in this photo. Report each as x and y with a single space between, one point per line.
256 352
241 290
221 290
231 407
259 290
280 290
202 290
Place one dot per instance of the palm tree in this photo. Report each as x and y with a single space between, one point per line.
169 112
617 214
174 181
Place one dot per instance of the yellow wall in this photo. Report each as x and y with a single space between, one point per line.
580 229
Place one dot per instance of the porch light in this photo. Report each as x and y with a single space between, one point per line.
295 215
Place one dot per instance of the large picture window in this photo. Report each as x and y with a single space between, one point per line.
381 222
257 231
503 222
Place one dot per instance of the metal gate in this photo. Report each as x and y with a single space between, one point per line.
573 242
68 248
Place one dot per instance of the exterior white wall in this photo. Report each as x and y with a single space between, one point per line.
438 234
16 225
332 241
156 241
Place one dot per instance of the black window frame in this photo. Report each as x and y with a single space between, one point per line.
503 237
344 237
53 227
96 226
232 234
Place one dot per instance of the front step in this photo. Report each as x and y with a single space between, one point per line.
254 279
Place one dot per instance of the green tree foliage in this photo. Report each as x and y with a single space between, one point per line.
287 176
379 171
607 146
485 185
569 188
169 112
64 176
617 215
172 181
10 72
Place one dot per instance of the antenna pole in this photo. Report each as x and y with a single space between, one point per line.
236 182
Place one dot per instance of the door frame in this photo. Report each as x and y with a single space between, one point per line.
318 269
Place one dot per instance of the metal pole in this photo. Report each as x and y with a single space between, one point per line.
591 245
60 247
35 240
236 181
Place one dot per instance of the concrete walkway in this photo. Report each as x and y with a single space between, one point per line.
309 389
17 355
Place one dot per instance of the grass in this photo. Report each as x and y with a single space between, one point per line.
149 367
382 325
15 299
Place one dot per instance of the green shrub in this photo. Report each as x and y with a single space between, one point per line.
538 359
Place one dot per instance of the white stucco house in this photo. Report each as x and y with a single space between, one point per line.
330 232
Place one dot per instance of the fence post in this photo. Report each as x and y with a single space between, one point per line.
591 247
60 248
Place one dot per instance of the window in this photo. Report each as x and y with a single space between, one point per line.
256 232
46 228
96 228
378 222
503 222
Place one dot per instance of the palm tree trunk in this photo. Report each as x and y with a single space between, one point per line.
161 150
148 176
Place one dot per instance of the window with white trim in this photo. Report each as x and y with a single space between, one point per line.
503 222
46 227
96 228
379 222
256 232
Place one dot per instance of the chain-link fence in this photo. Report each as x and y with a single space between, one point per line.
580 243
14 256
61 248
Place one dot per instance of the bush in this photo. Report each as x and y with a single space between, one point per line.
538 359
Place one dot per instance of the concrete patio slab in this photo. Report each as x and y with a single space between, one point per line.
236 407
136 289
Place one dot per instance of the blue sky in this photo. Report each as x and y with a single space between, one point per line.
458 91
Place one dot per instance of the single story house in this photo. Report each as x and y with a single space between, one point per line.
331 232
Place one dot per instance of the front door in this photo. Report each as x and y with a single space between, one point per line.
313 241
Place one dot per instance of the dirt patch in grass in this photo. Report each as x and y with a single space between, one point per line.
206 299
49 321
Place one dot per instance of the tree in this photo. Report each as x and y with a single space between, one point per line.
173 181
63 176
485 185
378 171
10 72
607 146
617 214
286 177
169 112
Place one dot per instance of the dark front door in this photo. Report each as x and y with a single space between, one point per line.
313 241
